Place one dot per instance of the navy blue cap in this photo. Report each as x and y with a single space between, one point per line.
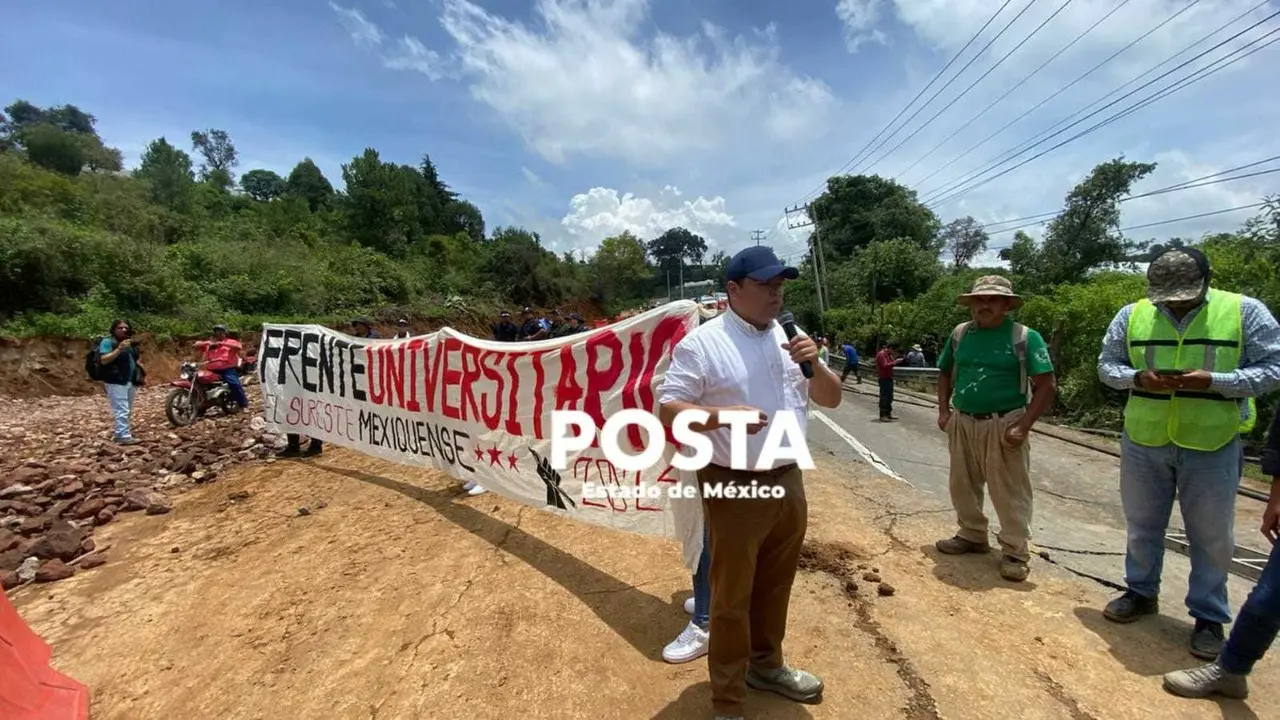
758 263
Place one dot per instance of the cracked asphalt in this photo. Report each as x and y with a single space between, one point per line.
1078 519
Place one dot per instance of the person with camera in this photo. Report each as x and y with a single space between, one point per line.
1192 359
121 374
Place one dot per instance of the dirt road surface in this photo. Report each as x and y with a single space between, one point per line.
394 595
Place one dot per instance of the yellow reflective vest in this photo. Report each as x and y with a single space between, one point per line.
1195 420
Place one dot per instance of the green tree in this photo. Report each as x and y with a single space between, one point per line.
167 170
897 269
1086 235
858 210
219 155
461 216
675 247
262 185
309 183
53 148
620 268
380 207
964 239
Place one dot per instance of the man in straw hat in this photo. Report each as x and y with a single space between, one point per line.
1192 359
989 366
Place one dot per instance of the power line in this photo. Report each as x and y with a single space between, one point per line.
1203 73
1020 83
953 79
1063 89
914 99
982 77
1199 182
1171 221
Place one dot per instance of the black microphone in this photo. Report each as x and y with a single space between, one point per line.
789 327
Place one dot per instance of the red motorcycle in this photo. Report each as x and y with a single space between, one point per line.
197 390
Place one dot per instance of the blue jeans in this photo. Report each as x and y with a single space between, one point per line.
1258 623
1204 484
702 583
232 378
120 398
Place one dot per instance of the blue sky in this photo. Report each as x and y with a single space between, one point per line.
582 118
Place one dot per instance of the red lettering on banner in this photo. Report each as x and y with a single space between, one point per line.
640 497
513 425
470 374
666 477
432 376
607 474
294 413
491 418
600 381
568 391
394 373
414 348
634 368
539 378
450 378
373 371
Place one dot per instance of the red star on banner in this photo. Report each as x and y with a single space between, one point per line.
479 455
495 457
511 461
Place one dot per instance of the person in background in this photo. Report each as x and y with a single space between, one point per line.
555 324
1192 359
989 366
402 330
741 360
824 352
578 325
915 358
1255 629
886 361
850 363
222 356
504 330
531 328
362 327
121 374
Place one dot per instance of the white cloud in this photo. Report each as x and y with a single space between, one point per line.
409 52
532 177
860 18
601 212
363 32
585 81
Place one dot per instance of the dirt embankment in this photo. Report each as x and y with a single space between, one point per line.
49 366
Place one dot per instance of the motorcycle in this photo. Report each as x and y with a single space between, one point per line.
197 390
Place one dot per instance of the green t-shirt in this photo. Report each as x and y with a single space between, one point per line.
987 377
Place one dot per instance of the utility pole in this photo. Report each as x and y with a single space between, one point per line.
819 258
757 235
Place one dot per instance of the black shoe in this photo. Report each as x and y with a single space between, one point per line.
1130 607
290 451
312 451
1206 640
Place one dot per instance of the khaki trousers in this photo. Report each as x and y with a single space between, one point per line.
755 549
980 456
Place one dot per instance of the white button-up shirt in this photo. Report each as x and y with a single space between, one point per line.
727 361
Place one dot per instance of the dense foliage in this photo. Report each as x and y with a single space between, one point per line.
886 281
180 242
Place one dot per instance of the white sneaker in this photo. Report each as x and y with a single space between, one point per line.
468 485
477 490
689 645
688 606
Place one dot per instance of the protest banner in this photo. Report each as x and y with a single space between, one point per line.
480 409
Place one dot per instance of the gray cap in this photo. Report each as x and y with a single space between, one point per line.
1177 275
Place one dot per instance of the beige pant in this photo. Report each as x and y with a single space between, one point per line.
980 456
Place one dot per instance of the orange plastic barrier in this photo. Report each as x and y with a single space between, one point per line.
29 688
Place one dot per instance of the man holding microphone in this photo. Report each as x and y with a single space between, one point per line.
742 361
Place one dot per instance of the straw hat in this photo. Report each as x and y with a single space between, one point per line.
991 285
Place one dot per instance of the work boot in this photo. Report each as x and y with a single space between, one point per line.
1130 607
1013 569
312 450
960 546
1207 680
788 682
289 451
1206 640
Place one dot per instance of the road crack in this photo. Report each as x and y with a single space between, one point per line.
1059 693
840 563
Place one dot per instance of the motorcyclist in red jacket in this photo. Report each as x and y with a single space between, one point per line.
222 356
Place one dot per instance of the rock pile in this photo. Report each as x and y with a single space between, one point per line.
61 476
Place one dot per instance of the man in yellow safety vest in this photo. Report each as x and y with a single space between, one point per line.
1193 359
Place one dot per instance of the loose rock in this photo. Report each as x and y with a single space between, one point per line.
871 577
91 561
54 570
885 590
